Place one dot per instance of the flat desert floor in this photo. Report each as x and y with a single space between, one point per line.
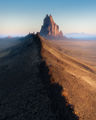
84 50
72 65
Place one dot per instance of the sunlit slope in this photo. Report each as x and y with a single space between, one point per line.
77 78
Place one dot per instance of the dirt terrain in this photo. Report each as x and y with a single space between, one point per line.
71 64
26 92
83 50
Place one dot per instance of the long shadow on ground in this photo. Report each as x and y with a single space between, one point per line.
59 105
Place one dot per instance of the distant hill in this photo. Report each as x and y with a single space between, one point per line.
82 36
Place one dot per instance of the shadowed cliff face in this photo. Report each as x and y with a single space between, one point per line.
26 92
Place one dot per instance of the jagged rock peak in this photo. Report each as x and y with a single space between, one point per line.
50 28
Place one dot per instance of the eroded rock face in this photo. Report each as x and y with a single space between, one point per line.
50 28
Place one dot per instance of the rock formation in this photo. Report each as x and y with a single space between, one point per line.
50 29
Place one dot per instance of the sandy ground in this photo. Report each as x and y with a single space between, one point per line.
83 50
72 65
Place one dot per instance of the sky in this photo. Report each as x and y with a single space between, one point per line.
19 17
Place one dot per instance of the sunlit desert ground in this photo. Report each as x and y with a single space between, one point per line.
72 65
84 50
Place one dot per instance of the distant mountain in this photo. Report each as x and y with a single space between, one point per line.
50 29
83 36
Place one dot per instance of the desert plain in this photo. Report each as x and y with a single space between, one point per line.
72 65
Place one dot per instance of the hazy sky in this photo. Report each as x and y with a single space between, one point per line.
24 16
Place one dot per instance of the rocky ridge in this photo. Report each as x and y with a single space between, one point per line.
26 92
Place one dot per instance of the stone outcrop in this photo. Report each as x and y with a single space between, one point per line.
50 28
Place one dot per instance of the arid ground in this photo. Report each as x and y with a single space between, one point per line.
84 50
62 89
26 92
72 65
